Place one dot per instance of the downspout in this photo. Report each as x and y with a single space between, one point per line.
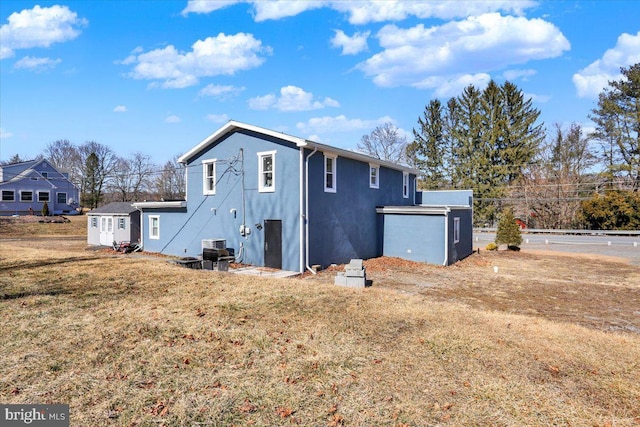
306 215
302 265
446 236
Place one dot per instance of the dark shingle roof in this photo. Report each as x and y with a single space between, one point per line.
114 208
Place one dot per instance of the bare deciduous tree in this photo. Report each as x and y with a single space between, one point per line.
384 143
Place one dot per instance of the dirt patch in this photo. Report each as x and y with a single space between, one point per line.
597 292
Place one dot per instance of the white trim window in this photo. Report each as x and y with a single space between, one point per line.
330 173
61 198
122 223
8 196
405 185
374 175
209 177
456 229
43 196
94 222
26 196
154 227
267 171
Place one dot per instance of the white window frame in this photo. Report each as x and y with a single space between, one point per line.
122 223
23 192
154 235
333 188
456 229
40 199
209 181
6 192
374 175
94 222
405 185
58 198
262 187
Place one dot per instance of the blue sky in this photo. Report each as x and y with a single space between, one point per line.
157 77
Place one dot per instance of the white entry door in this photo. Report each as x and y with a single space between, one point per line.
106 230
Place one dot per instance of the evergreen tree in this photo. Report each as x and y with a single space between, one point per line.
508 232
617 120
430 145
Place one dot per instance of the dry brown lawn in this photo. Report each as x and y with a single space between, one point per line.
136 341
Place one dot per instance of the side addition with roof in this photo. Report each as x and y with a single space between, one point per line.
115 222
30 184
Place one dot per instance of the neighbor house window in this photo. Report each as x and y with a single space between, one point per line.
8 196
121 223
456 230
330 173
26 196
45 175
61 198
374 176
43 196
94 222
405 185
154 226
267 171
209 176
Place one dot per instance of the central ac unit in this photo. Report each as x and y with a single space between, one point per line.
214 244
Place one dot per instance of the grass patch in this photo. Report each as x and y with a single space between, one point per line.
132 341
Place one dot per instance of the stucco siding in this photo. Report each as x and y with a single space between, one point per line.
464 247
220 215
344 225
417 238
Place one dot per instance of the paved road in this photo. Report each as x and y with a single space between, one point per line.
617 246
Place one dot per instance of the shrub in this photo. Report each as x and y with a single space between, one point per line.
45 209
491 247
508 232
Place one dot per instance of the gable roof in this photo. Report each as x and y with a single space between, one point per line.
114 208
234 126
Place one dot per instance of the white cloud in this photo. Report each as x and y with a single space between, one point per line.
213 56
292 98
120 109
590 81
206 6
540 99
481 43
36 64
350 45
220 91
518 74
448 86
218 118
367 11
4 134
339 124
39 27
172 119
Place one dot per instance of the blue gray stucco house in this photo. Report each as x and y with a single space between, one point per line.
30 184
277 201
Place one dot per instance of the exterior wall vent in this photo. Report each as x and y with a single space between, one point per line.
214 244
